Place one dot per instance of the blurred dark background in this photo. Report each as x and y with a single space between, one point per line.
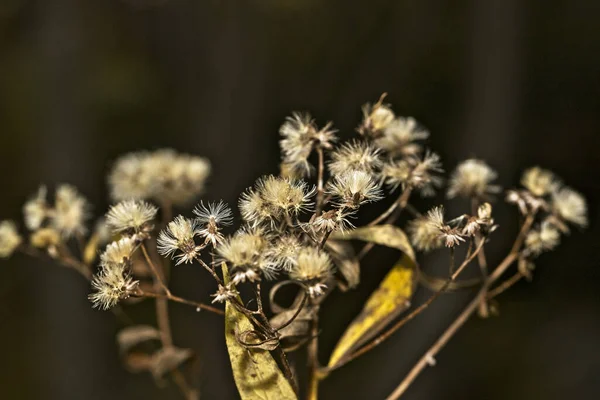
514 82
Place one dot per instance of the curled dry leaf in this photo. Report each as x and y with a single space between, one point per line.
167 359
391 298
255 372
345 260
256 340
138 362
131 336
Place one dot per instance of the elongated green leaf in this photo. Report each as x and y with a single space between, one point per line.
255 372
385 235
390 299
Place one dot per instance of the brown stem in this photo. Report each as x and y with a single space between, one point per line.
427 358
287 370
325 237
300 307
158 276
210 270
178 299
312 392
399 203
505 285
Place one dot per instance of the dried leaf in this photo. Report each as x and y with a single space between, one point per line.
345 259
391 298
255 372
131 336
91 249
298 328
386 235
167 359
138 362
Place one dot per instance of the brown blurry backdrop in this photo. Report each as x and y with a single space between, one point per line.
514 82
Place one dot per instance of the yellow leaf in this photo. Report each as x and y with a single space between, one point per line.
386 235
91 249
255 372
390 299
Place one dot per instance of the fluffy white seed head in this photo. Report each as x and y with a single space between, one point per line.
354 188
224 293
283 251
273 198
312 267
177 240
211 218
299 136
118 252
285 196
414 172
359 156
539 182
36 209
9 238
112 284
570 206
246 252
546 238
47 239
131 215
472 178
424 235
400 135
450 236
331 221
70 211
376 117
215 212
162 175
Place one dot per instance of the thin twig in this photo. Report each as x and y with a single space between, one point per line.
298 311
399 203
312 392
505 285
178 299
210 270
427 358
157 274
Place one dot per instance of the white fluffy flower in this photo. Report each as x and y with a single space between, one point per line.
355 155
570 206
177 240
313 267
539 182
354 188
163 175
112 284
9 238
70 211
211 218
134 215
472 178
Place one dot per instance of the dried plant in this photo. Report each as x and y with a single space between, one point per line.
295 233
